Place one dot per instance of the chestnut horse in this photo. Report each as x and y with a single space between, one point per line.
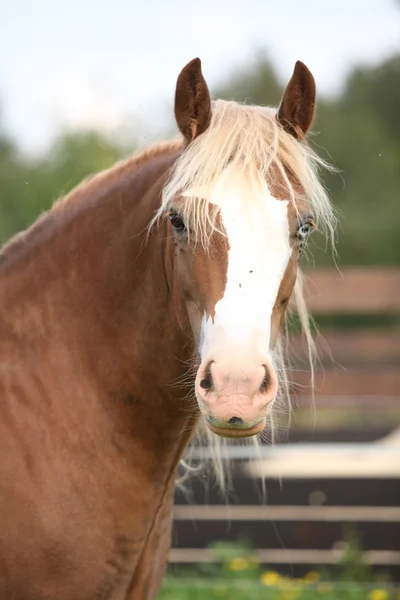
185 254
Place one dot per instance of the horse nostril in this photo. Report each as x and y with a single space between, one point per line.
266 382
235 421
205 384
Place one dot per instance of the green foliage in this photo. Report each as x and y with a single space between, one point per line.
354 567
27 188
255 84
292 590
237 575
366 192
376 91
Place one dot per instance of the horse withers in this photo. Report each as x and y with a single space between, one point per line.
172 271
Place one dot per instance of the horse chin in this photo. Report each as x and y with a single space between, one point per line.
230 432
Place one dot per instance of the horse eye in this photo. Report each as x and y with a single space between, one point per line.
305 229
177 222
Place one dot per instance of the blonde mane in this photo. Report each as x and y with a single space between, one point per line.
253 144
250 140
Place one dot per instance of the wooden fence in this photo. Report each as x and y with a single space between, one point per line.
357 361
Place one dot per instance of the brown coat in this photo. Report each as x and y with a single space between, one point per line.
92 334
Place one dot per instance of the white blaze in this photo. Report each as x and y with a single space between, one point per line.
259 252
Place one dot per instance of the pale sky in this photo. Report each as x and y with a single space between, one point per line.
113 64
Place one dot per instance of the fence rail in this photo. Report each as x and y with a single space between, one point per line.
353 514
353 290
284 556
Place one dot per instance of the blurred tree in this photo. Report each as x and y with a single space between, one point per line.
28 188
376 91
12 187
72 157
361 131
256 83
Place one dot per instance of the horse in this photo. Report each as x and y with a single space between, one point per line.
172 270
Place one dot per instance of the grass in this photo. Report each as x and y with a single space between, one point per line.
273 587
237 575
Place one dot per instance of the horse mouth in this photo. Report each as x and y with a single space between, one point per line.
237 432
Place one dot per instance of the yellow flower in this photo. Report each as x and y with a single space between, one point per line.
378 595
324 587
239 564
270 578
311 577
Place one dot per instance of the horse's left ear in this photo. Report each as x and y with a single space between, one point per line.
296 111
192 101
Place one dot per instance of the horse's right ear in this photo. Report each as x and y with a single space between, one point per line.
192 101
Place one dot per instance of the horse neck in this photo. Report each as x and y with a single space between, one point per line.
108 295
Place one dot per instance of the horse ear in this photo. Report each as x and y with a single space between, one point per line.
192 101
297 107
